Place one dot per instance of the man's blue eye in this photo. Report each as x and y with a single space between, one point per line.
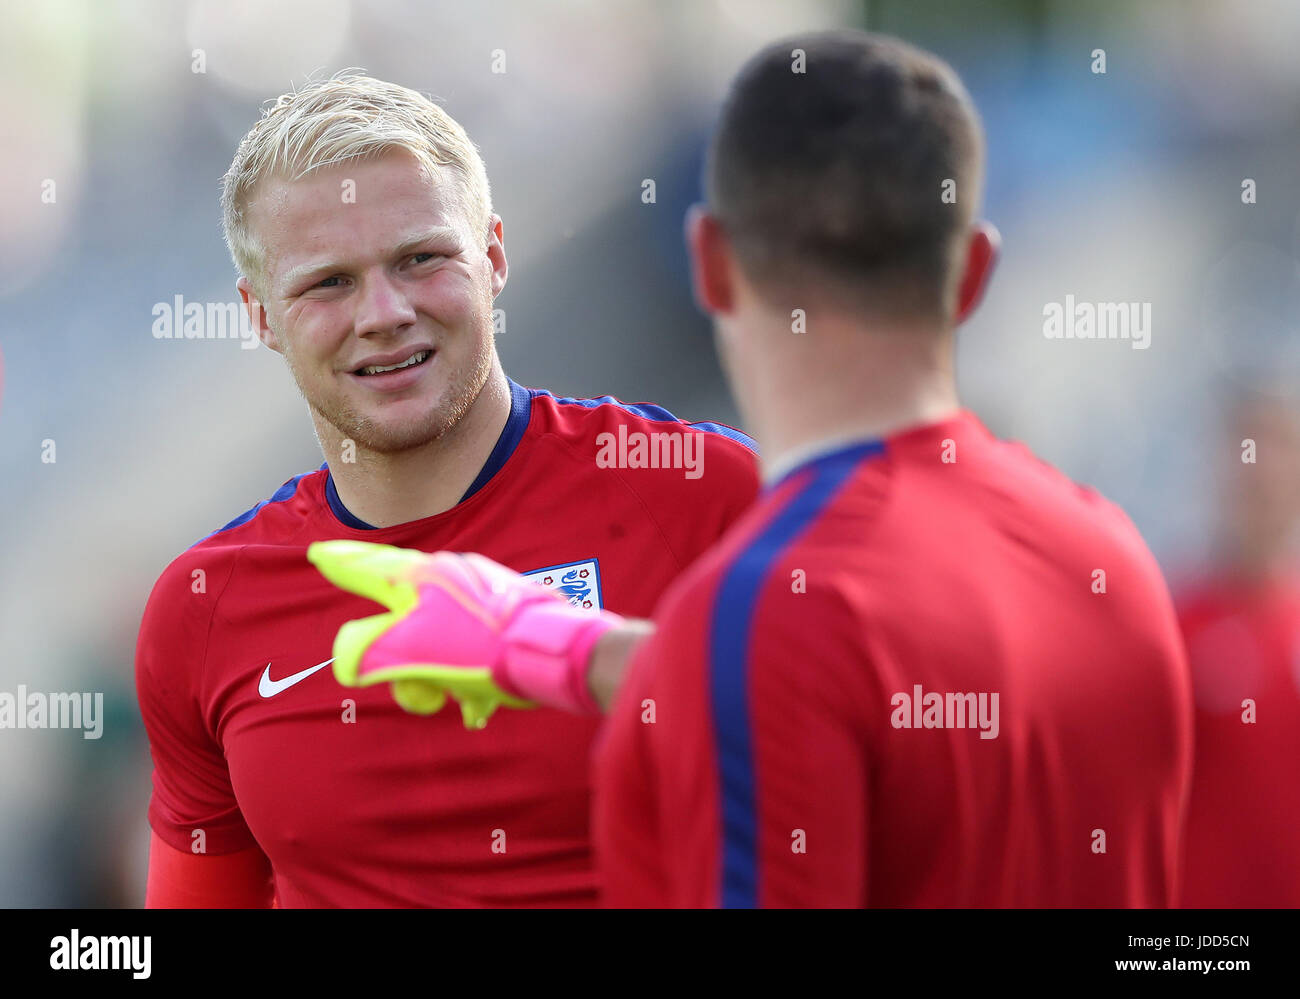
427 256
326 283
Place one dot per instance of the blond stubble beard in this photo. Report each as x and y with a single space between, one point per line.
444 415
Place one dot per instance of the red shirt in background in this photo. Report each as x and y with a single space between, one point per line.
1243 825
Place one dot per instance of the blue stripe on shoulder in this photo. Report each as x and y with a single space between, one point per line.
285 492
730 631
649 411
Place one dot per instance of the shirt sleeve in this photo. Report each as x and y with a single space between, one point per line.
810 757
181 880
751 785
193 806
695 506
728 469
625 823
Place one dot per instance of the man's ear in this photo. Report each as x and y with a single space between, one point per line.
496 251
710 260
257 314
982 249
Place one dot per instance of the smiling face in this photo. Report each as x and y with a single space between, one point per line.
382 303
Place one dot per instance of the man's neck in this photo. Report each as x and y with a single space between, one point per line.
839 384
397 488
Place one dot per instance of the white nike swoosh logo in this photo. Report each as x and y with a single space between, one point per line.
269 688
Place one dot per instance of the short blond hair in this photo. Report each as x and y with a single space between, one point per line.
348 116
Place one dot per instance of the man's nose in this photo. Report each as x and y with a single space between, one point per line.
384 308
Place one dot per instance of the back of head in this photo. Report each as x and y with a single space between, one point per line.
849 164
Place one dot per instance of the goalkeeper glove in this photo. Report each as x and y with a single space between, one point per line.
461 625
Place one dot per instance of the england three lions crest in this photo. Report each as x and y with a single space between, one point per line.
578 581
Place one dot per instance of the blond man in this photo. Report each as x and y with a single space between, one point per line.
359 217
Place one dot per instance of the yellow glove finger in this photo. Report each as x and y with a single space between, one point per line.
412 693
351 644
420 697
381 573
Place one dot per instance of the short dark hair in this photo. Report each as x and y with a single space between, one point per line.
833 177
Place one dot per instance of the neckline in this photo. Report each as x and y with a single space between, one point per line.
512 433
837 449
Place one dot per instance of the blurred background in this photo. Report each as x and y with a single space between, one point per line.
1122 187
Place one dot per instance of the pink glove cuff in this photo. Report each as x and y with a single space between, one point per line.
544 653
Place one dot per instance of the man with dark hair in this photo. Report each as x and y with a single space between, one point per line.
925 668
851 169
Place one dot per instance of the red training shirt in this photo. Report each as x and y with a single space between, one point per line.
813 722
1243 823
355 802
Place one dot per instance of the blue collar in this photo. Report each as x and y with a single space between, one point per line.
511 434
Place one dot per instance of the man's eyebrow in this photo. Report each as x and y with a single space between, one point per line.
306 270
443 234
438 234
